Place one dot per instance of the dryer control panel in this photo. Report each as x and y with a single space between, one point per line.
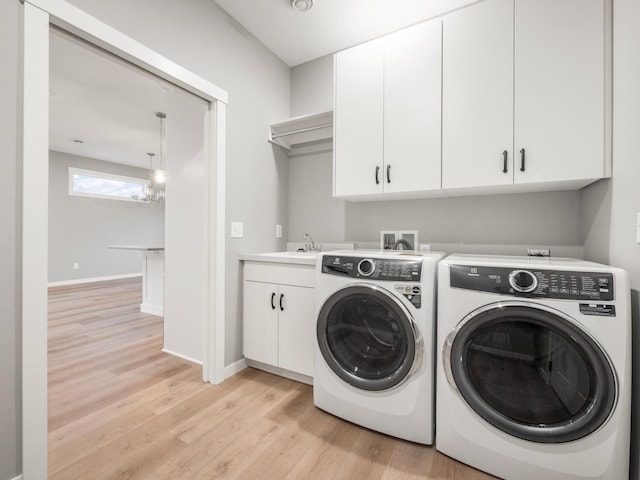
534 283
385 269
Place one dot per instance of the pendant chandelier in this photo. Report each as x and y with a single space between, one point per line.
156 189
158 180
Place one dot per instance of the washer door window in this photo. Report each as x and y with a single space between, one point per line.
531 372
367 337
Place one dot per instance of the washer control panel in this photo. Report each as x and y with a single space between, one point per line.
534 282
386 269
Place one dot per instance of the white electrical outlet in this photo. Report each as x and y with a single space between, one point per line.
237 229
76 266
278 231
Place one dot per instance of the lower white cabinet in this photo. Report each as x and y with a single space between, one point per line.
278 316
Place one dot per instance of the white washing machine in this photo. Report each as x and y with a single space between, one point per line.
534 367
374 360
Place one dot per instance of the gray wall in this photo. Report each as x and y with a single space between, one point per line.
500 224
610 207
201 37
81 228
312 87
497 224
10 399
312 209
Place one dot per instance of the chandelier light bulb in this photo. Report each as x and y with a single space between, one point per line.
161 177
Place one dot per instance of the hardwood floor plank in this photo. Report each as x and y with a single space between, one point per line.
320 454
100 420
120 408
367 457
408 462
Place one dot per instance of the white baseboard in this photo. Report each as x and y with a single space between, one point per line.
152 309
298 377
19 477
231 370
78 281
183 357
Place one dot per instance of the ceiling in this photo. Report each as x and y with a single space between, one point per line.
105 102
110 105
331 25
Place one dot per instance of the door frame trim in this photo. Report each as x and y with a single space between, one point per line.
38 15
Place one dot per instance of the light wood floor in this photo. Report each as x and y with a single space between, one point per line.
119 408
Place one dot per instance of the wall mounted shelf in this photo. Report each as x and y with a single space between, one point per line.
304 134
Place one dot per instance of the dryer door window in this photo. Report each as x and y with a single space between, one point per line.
367 337
531 372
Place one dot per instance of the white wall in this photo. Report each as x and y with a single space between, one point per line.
81 228
186 221
198 35
10 208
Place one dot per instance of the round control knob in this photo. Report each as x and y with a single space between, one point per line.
366 267
523 281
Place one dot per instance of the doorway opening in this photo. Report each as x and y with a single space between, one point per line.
38 16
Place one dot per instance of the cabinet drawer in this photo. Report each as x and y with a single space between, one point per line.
284 274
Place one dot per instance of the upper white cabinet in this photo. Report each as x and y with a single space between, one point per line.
562 104
525 94
387 114
477 95
357 120
412 108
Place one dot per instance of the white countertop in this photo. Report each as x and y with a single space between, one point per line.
299 258
293 256
138 247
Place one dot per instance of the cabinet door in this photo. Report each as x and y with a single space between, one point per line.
412 108
358 120
560 89
260 322
477 89
297 332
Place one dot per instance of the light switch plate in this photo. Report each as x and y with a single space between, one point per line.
237 229
278 231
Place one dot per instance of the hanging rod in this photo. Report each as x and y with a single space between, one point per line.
302 130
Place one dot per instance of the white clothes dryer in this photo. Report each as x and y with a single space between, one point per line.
374 360
534 367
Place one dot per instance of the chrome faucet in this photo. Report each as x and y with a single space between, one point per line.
403 242
311 246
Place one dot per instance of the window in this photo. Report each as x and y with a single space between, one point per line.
87 183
